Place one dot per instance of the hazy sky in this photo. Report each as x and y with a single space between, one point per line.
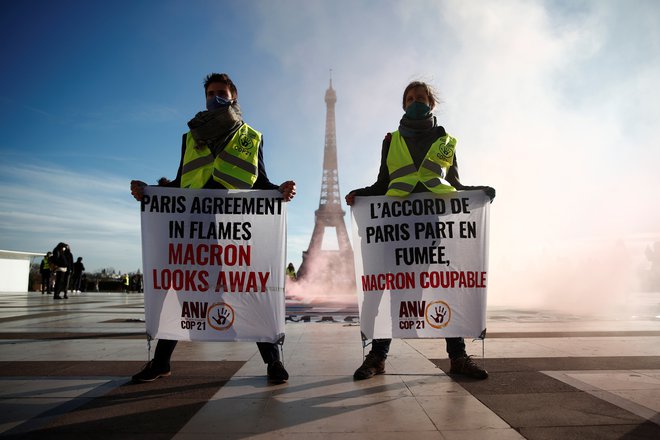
553 103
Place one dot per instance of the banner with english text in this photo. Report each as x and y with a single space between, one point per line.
421 264
214 264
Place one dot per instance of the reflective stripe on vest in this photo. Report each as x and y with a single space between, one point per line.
236 166
404 176
197 165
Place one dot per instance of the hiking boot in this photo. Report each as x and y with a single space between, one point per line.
373 364
151 372
467 367
277 373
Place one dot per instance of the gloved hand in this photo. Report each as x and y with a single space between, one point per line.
490 192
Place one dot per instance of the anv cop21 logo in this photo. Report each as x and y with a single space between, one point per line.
197 315
245 143
418 314
446 152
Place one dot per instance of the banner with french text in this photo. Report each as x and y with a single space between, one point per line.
421 264
214 264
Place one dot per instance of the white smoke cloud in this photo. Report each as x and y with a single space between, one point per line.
552 105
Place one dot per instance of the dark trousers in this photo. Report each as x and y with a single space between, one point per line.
61 281
75 284
45 281
455 347
165 347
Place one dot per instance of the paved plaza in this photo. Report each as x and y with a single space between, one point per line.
65 370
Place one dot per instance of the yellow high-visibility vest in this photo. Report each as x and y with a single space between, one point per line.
236 166
404 176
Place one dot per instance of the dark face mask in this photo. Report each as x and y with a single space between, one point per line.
216 102
418 110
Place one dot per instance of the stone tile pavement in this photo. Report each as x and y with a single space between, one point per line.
65 368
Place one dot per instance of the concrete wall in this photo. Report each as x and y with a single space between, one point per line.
15 270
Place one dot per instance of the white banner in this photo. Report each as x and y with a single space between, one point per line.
421 264
214 264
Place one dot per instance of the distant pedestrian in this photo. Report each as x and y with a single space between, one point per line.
78 269
69 270
136 283
60 259
291 272
44 269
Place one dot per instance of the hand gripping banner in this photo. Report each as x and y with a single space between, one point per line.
214 264
421 264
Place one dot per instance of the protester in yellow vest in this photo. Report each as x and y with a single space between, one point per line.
419 157
220 151
44 269
291 272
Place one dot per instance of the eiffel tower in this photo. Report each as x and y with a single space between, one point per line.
329 258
